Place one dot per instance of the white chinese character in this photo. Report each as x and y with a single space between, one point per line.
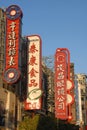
61 75
11 62
61 99
60 83
12 25
12 51
61 106
11 43
60 67
12 35
61 91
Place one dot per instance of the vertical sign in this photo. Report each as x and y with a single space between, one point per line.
60 85
34 90
13 34
63 85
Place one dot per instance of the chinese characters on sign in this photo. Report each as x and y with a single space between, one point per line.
60 87
33 100
12 44
13 34
63 85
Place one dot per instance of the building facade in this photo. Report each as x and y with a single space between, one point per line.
73 108
2 44
81 99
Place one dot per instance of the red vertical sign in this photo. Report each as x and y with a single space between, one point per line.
13 34
60 85
12 43
63 85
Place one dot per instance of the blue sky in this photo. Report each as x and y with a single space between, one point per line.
59 23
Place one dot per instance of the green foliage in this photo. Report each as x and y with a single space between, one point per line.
38 122
29 123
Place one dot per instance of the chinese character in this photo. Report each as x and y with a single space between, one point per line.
32 60
60 67
61 106
12 25
12 36
61 91
33 49
33 73
11 42
33 83
12 51
11 62
60 75
60 83
61 99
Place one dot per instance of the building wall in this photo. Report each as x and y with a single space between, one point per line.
82 109
2 44
73 108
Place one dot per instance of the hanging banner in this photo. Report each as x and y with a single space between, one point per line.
13 34
34 90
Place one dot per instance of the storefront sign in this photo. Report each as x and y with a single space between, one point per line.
34 91
60 85
13 34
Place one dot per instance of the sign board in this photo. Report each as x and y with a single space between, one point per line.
34 90
60 85
13 34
